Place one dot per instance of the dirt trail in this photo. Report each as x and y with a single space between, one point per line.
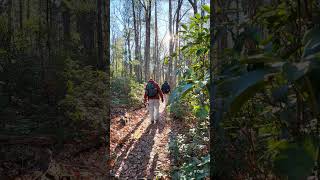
140 149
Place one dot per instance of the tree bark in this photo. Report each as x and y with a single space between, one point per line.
21 14
86 28
215 114
169 76
140 46
28 9
136 40
101 63
156 48
129 53
66 27
176 40
10 30
147 42
48 27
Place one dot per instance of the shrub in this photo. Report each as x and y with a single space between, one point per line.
126 92
181 109
136 93
85 102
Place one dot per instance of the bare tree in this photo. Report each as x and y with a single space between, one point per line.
176 39
147 7
156 71
127 25
136 40
169 75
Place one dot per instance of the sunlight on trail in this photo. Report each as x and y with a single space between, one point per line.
146 152
162 108
137 135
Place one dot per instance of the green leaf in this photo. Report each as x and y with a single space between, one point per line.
174 54
197 16
184 48
180 92
206 8
314 49
296 159
312 34
242 88
185 27
192 24
166 61
294 71
315 56
201 51
311 40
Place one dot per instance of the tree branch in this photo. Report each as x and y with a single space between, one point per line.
184 14
143 5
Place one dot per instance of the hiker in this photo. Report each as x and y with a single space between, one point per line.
165 88
152 93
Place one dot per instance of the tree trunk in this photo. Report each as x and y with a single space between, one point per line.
48 27
136 40
202 11
176 41
156 48
147 45
215 106
10 30
140 46
21 14
86 28
169 76
28 9
101 63
129 52
106 5
66 27
46 64
39 45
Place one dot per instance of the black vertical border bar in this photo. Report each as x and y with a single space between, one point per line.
212 89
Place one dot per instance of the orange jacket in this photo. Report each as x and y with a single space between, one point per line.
156 96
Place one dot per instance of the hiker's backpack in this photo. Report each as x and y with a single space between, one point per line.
151 90
165 88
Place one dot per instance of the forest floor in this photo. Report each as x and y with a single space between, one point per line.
140 149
